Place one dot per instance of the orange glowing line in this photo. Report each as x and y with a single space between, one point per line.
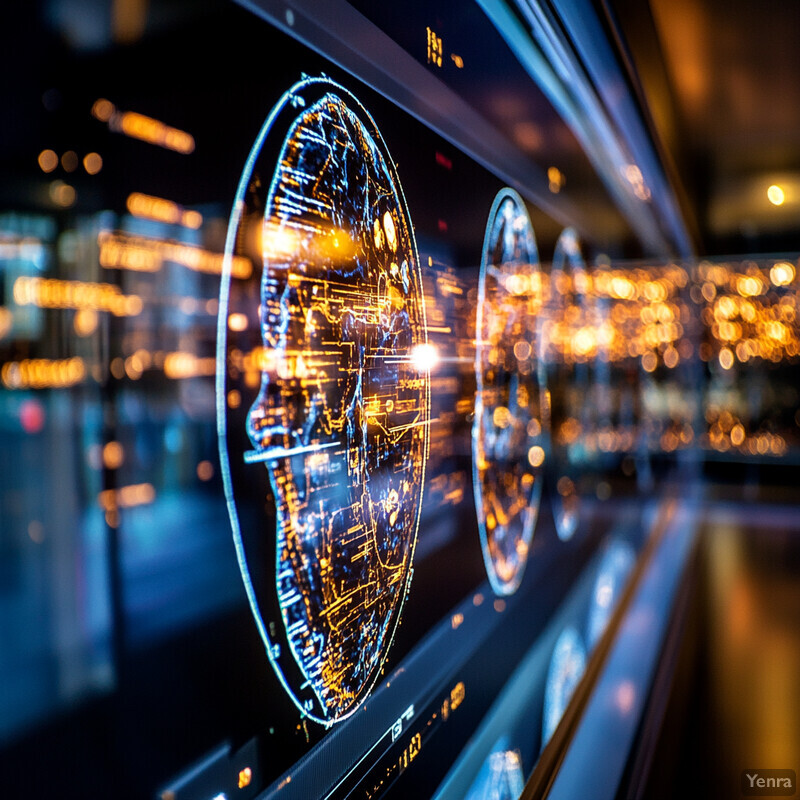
42 373
152 131
147 206
53 293
143 254
187 365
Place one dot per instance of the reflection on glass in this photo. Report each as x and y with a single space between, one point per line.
615 567
340 419
567 665
501 776
615 394
55 609
507 434
566 341
751 345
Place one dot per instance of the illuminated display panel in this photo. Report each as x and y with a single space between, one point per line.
341 418
507 434
290 387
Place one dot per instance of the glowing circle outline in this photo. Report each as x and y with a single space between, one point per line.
291 97
498 586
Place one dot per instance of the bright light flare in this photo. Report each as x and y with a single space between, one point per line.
776 195
536 456
425 357
237 322
782 273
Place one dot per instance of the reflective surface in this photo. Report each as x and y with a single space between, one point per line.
567 665
739 657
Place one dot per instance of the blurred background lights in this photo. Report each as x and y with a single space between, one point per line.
776 195
48 160
536 456
6 321
102 109
31 415
237 321
85 322
725 358
113 455
555 179
69 161
62 194
782 273
92 163
205 470
147 206
625 697
36 531
245 776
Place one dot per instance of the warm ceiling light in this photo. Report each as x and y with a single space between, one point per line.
70 161
237 322
556 179
93 163
62 194
776 195
48 160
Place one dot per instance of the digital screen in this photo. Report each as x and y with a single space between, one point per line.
365 383
340 419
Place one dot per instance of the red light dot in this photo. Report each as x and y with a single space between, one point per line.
443 161
31 416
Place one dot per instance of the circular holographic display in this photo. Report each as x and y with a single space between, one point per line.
323 408
508 433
